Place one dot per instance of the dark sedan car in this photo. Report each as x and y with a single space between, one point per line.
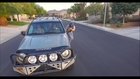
46 47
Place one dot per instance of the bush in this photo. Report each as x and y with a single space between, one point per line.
115 18
8 19
126 19
31 18
119 24
78 19
95 19
107 15
14 19
112 21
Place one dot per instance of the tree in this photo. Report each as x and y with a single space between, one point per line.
28 9
15 8
69 11
78 8
72 11
94 8
3 14
40 10
107 14
7 9
124 9
82 10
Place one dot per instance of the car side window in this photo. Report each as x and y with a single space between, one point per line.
60 27
31 29
56 27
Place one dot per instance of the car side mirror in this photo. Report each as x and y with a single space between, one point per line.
23 33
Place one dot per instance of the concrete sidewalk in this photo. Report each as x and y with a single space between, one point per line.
128 32
8 33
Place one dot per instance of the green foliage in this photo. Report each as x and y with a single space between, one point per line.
39 10
79 18
20 8
3 9
78 8
69 11
8 19
115 19
82 12
28 9
18 23
124 8
119 24
30 17
95 19
107 15
14 19
14 8
94 8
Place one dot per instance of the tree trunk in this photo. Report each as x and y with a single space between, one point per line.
3 21
17 17
77 14
123 19
13 16
73 15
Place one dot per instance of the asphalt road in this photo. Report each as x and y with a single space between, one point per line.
100 53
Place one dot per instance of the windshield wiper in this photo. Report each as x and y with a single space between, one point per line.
37 34
52 32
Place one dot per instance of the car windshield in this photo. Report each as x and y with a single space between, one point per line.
45 28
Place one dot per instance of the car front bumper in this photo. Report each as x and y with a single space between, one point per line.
42 68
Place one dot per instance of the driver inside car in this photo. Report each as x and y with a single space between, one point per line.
39 29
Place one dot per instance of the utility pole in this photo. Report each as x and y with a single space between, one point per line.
105 5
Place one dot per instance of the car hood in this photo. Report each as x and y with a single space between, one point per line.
44 41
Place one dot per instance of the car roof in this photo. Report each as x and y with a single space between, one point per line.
46 19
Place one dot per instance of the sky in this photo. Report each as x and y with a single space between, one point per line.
55 5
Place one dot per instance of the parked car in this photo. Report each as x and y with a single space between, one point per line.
46 47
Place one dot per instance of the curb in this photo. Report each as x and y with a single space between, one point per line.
105 29
93 26
8 38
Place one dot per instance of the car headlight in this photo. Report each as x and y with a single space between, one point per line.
42 58
53 57
66 54
32 59
19 59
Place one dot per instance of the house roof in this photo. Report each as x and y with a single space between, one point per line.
56 11
53 11
63 10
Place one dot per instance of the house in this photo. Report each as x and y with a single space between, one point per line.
21 17
53 12
136 14
60 13
63 13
